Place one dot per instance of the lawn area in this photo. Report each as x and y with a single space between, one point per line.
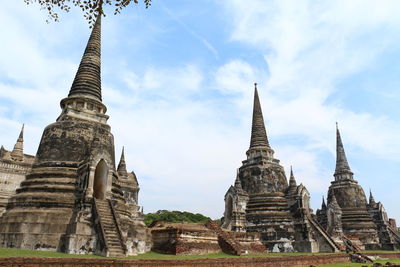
7 252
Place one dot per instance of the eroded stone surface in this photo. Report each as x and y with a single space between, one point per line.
262 201
70 196
348 213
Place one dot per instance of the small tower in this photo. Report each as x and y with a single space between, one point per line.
122 165
321 214
334 215
323 205
292 183
371 199
18 152
292 180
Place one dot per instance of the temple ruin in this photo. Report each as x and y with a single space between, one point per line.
70 197
349 214
262 200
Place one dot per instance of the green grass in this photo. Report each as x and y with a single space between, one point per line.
159 256
5 252
10 252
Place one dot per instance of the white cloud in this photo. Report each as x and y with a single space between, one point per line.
309 47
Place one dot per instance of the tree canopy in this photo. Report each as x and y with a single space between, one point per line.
174 216
90 8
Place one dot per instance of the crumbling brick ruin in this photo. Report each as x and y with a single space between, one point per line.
349 214
202 238
14 165
71 196
263 201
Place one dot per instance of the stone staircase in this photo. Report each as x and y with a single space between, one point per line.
354 251
395 235
109 229
335 247
226 239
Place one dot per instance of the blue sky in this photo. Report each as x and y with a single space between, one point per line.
178 82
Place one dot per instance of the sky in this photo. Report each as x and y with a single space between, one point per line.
177 79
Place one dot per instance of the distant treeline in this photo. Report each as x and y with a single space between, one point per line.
174 216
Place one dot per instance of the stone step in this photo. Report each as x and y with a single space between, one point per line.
107 216
109 227
116 251
114 244
113 239
111 233
107 219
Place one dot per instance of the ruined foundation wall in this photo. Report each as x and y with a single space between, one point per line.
180 241
11 176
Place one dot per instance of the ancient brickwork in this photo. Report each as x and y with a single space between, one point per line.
276 261
14 165
348 212
200 238
74 199
262 201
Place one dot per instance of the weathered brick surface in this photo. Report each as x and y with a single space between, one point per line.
303 260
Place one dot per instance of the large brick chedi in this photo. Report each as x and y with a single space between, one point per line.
73 199
262 200
349 214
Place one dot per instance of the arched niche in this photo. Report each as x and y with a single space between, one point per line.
100 180
228 210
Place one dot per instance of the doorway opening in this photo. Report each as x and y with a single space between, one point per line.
100 180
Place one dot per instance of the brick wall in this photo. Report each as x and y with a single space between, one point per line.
287 261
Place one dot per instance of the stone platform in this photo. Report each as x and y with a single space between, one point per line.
202 238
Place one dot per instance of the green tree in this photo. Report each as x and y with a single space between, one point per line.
175 217
90 8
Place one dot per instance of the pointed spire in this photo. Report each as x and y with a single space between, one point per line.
258 133
292 180
87 82
21 133
323 206
122 166
18 152
371 198
333 203
342 166
238 183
